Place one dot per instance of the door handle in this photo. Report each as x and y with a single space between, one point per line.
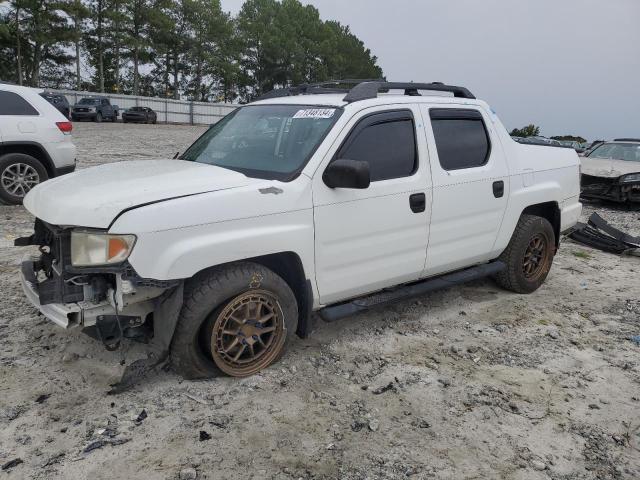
498 189
418 202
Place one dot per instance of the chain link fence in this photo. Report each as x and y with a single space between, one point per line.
167 109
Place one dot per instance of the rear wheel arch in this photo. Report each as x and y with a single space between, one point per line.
32 149
549 211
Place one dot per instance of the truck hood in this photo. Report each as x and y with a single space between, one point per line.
608 168
95 196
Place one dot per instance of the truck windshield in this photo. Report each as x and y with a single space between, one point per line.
618 151
265 141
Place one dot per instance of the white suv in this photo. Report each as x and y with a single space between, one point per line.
315 199
35 142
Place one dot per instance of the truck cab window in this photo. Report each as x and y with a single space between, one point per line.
387 141
461 138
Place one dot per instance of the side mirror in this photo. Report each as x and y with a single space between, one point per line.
343 173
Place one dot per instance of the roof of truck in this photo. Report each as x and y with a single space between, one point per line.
339 93
337 101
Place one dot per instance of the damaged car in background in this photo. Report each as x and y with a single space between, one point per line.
611 171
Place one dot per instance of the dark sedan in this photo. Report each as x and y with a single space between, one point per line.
139 114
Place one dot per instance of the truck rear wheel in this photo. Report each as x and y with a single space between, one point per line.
528 256
235 320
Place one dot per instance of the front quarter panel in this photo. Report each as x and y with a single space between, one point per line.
178 238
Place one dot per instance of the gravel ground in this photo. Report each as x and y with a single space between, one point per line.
467 383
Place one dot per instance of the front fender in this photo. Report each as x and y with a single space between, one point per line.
183 252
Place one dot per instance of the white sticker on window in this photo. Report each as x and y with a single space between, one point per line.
315 113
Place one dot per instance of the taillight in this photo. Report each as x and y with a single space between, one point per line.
65 127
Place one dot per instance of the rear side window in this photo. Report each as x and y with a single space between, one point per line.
13 104
461 138
387 141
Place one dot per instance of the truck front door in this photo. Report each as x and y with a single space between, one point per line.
376 237
470 186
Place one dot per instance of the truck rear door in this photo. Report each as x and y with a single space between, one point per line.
470 186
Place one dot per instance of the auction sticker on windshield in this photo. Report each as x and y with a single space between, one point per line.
315 113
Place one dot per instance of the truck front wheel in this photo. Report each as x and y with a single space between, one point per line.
528 256
235 320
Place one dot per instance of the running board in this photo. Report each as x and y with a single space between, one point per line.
341 310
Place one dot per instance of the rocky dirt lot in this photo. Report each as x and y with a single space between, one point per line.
467 383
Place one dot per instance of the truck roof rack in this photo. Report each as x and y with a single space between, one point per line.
367 90
364 89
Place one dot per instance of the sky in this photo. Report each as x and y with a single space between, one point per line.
569 66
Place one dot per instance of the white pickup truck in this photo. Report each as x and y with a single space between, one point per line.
315 198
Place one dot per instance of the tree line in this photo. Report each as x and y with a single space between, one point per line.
175 48
532 130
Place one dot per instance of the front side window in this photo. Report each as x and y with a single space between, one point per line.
387 142
265 141
461 138
13 104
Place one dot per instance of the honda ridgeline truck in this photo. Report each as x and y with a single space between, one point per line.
315 198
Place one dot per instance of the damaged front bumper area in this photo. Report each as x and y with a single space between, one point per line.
109 302
612 189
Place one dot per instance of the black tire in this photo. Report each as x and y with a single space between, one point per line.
73 118
528 256
98 117
206 299
155 120
13 159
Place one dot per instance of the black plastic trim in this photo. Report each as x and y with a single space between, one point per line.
305 311
454 114
368 90
64 170
341 310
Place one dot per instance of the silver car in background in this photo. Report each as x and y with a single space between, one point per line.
611 171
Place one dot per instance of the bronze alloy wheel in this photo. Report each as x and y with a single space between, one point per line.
535 257
248 334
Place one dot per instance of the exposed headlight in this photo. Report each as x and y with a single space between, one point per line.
632 177
100 248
